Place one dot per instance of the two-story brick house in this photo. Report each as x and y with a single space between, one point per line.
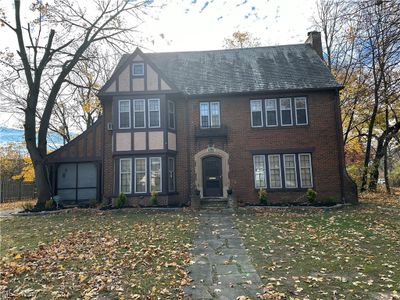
210 121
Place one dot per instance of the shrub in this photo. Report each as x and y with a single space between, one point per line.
93 203
49 204
27 206
311 195
121 200
262 196
153 198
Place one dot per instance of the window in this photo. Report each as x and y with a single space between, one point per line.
271 112
171 114
171 174
305 170
137 69
259 171
124 114
155 174
286 111
125 175
274 163
256 113
154 113
139 114
300 105
289 164
140 175
209 115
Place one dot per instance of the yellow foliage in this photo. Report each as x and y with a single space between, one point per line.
28 173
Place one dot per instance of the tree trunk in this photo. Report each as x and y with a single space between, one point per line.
386 172
42 183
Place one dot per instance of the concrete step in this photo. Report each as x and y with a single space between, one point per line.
214 202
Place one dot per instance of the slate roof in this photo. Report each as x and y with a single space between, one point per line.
275 68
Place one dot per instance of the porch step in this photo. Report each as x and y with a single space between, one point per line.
214 202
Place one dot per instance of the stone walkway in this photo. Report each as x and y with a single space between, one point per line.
221 269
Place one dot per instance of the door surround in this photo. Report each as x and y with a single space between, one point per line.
198 159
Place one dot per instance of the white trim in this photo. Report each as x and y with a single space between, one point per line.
211 115
119 113
150 173
311 170
144 113
145 174
133 69
120 174
275 110
295 170
254 172
174 113
269 171
291 111
159 113
261 111
208 114
295 109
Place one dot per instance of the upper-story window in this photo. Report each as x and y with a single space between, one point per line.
209 115
138 69
271 112
256 113
139 113
171 114
286 111
300 105
124 114
154 113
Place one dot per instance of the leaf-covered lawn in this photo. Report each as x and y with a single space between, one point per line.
350 253
84 253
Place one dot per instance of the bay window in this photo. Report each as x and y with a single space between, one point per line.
155 174
171 174
140 175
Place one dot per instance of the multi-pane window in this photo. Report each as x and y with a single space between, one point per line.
305 170
171 174
154 113
274 162
256 113
125 175
215 119
271 112
139 113
259 171
137 69
204 115
171 114
140 175
289 163
155 174
286 111
300 105
124 114
209 115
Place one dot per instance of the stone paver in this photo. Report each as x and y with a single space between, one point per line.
221 268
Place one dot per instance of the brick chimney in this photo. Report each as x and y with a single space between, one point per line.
314 39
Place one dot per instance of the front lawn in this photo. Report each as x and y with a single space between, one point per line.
129 254
350 253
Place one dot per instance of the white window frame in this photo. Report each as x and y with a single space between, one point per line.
269 171
150 173
211 115
159 112
120 175
295 171
275 110
261 111
208 114
133 69
306 109
254 172
145 174
119 113
291 111
311 170
173 172
144 113
173 113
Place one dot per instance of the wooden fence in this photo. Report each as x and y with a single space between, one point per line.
11 191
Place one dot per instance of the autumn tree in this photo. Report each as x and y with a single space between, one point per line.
51 46
241 39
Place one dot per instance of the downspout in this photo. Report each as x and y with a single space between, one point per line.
340 145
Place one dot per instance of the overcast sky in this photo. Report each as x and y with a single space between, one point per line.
185 25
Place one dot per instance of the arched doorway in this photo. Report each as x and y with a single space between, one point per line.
212 176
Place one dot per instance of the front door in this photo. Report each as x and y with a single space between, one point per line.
212 177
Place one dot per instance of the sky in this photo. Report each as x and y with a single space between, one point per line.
190 25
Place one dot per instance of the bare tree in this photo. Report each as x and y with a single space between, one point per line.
241 39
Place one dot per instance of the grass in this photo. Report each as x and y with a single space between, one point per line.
351 253
85 253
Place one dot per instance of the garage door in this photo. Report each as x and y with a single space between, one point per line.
77 181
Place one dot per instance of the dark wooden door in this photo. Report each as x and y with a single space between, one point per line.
212 177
